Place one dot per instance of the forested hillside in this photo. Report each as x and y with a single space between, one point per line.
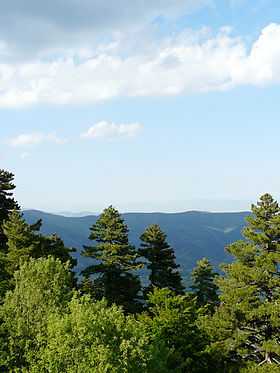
193 234
110 320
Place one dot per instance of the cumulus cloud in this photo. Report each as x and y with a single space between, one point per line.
184 64
112 130
28 139
262 65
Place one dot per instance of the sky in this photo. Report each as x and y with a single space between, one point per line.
150 105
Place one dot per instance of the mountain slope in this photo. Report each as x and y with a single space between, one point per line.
193 234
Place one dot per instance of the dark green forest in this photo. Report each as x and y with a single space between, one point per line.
106 319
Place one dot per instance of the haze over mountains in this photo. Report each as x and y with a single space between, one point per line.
193 234
167 205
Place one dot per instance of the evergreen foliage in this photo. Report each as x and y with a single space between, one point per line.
161 261
115 262
203 285
53 245
246 327
7 202
4 276
173 318
24 242
47 327
21 241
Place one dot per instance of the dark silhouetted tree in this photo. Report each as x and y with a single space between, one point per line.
115 261
161 261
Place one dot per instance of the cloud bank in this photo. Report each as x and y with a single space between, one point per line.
184 64
32 27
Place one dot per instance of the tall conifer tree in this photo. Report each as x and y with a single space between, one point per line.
247 323
161 261
204 286
115 261
7 202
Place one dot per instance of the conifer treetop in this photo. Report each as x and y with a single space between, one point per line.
161 260
248 319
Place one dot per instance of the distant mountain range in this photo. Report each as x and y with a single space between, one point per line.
192 234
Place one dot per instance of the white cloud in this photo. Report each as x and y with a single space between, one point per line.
28 139
183 64
112 130
262 65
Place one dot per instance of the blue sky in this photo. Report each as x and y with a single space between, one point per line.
159 105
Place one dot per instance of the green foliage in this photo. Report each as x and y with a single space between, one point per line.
92 337
203 285
24 241
4 275
42 287
7 204
160 261
44 327
114 262
246 327
21 241
54 246
264 368
173 320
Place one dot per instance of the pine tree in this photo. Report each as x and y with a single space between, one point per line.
21 241
115 261
7 202
24 241
54 246
204 286
160 261
247 323
174 320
